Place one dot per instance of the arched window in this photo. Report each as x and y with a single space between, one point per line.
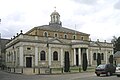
102 56
55 55
94 56
45 34
55 35
74 37
82 38
65 36
42 55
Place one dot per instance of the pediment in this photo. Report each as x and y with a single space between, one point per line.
55 41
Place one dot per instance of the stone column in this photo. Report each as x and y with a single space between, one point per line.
91 57
79 54
61 57
87 56
36 56
74 56
21 56
49 58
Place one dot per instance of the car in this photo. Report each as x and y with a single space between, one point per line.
107 69
118 70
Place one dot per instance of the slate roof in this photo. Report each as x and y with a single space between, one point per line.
117 54
56 27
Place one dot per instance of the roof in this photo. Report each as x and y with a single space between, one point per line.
100 44
93 44
55 13
56 27
117 54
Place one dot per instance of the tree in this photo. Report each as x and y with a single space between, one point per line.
116 43
98 59
67 62
111 59
85 63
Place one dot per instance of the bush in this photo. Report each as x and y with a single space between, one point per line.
111 59
67 62
85 63
98 59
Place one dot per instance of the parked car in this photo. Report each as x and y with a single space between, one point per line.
118 70
107 69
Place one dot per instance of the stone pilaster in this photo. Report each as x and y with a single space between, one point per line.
61 57
49 58
106 56
21 56
36 56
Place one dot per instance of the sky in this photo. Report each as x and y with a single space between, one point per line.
99 18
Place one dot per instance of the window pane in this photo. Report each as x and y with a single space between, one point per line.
94 56
42 55
102 56
55 55
45 34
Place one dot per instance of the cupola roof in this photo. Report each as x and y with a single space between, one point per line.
55 13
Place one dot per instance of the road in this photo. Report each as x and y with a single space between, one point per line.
76 76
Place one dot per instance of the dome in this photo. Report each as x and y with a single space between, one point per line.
55 13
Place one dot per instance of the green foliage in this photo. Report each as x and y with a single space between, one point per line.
85 63
98 59
116 43
67 62
111 59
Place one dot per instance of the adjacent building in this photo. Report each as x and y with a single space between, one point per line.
3 42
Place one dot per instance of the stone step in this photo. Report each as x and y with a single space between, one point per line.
28 71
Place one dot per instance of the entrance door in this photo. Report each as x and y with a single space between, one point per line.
28 62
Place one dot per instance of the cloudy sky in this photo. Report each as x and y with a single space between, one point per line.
99 18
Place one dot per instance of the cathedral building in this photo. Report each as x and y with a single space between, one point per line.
47 46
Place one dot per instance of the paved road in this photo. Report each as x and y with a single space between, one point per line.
100 78
77 76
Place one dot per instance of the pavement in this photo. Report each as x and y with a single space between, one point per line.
12 76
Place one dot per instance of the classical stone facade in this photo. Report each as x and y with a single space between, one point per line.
46 46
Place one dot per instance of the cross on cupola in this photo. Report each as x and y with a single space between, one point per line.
55 18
